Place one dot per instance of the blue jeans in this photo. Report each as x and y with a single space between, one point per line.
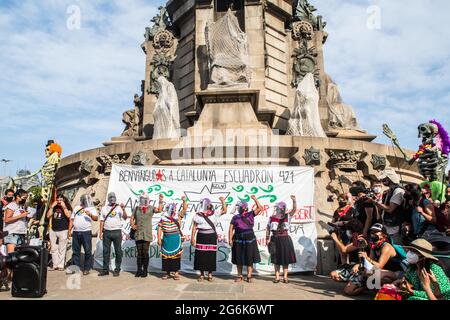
82 239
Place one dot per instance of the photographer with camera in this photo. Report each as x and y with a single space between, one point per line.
391 206
363 204
383 256
344 213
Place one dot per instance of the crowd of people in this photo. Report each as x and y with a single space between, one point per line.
65 224
384 231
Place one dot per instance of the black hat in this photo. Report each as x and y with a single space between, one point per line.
357 190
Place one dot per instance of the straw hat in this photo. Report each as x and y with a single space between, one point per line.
423 247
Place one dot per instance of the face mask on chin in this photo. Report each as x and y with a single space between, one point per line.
9 199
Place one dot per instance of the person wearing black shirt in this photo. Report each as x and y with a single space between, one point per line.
59 216
365 209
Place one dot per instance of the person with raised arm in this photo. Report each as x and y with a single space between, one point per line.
204 237
242 239
279 242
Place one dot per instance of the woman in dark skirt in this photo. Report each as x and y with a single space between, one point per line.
280 244
170 239
244 248
204 237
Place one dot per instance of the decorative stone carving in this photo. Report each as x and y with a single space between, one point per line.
305 11
227 48
70 193
378 162
312 157
133 118
345 160
304 117
302 30
304 56
166 113
86 166
139 159
341 116
107 161
163 40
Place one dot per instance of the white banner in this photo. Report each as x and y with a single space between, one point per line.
269 184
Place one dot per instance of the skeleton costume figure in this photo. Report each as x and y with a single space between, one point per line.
170 238
280 244
204 235
432 156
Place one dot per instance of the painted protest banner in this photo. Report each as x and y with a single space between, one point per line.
269 184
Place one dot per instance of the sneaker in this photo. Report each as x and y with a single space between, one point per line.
85 272
138 274
103 273
144 274
116 273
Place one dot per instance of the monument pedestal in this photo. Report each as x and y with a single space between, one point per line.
229 110
119 140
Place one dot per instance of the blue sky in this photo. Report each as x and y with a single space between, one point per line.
73 85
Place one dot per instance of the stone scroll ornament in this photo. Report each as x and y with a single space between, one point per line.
432 156
227 47
53 153
163 41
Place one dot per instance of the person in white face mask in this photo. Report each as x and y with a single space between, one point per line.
425 279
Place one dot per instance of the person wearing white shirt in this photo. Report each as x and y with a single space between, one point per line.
16 221
111 218
80 230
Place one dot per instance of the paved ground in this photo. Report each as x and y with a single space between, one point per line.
153 288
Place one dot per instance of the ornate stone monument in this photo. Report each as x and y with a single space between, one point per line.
237 93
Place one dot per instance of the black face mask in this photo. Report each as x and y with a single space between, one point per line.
447 198
9 199
342 204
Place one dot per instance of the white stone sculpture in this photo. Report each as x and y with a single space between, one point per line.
341 116
166 112
305 117
228 53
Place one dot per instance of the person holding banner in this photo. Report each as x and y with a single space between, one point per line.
170 239
280 245
242 239
111 218
204 237
141 223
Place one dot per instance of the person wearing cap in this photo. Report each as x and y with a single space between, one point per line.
280 244
142 223
204 237
242 239
80 230
425 279
392 204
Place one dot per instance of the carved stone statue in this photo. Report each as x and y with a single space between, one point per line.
166 113
133 118
305 118
305 11
163 39
305 55
341 116
228 53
